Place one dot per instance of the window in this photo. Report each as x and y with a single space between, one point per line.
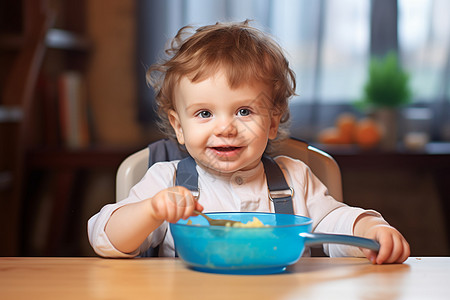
424 38
328 43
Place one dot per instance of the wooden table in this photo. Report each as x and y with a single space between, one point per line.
168 278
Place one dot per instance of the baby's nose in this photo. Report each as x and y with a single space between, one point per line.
226 129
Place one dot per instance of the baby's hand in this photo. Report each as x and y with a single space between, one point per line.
393 246
173 204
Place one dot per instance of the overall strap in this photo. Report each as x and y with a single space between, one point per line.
164 150
280 193
187 175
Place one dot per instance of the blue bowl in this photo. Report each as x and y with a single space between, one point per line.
263 250
221 249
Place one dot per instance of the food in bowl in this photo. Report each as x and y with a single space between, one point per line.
255 223
251 224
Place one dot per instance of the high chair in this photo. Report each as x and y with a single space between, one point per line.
133 168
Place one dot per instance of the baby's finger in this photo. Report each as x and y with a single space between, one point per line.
386 245
397 250
184 203
173 199
198 206
406 252
189 206
177 196
370 255
171 211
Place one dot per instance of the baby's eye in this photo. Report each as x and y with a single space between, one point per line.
204 114
244 112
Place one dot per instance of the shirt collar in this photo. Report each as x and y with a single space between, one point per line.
247 175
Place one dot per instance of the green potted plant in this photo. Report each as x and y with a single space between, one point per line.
386 90
387 85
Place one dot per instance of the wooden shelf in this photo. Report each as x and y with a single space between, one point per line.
34 28
66 40
11 41
55 39
88 158
435 155
10 114
69 168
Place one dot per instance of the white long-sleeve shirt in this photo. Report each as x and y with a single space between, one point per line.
244 191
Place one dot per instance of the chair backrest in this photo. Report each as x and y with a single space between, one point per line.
133 168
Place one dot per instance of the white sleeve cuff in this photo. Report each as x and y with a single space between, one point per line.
344 220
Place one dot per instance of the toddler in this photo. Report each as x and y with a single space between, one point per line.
223 95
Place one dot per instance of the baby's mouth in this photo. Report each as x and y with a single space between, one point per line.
226 148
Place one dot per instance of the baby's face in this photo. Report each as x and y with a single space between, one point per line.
224 129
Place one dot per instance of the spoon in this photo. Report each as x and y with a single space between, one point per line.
217 222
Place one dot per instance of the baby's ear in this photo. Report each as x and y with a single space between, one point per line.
174 120
274 123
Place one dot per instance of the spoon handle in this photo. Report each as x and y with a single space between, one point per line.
202 214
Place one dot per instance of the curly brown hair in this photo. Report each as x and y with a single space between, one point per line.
245 53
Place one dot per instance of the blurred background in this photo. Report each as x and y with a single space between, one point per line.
373 85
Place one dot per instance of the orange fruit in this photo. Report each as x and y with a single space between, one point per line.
346 125
367 134
329 136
